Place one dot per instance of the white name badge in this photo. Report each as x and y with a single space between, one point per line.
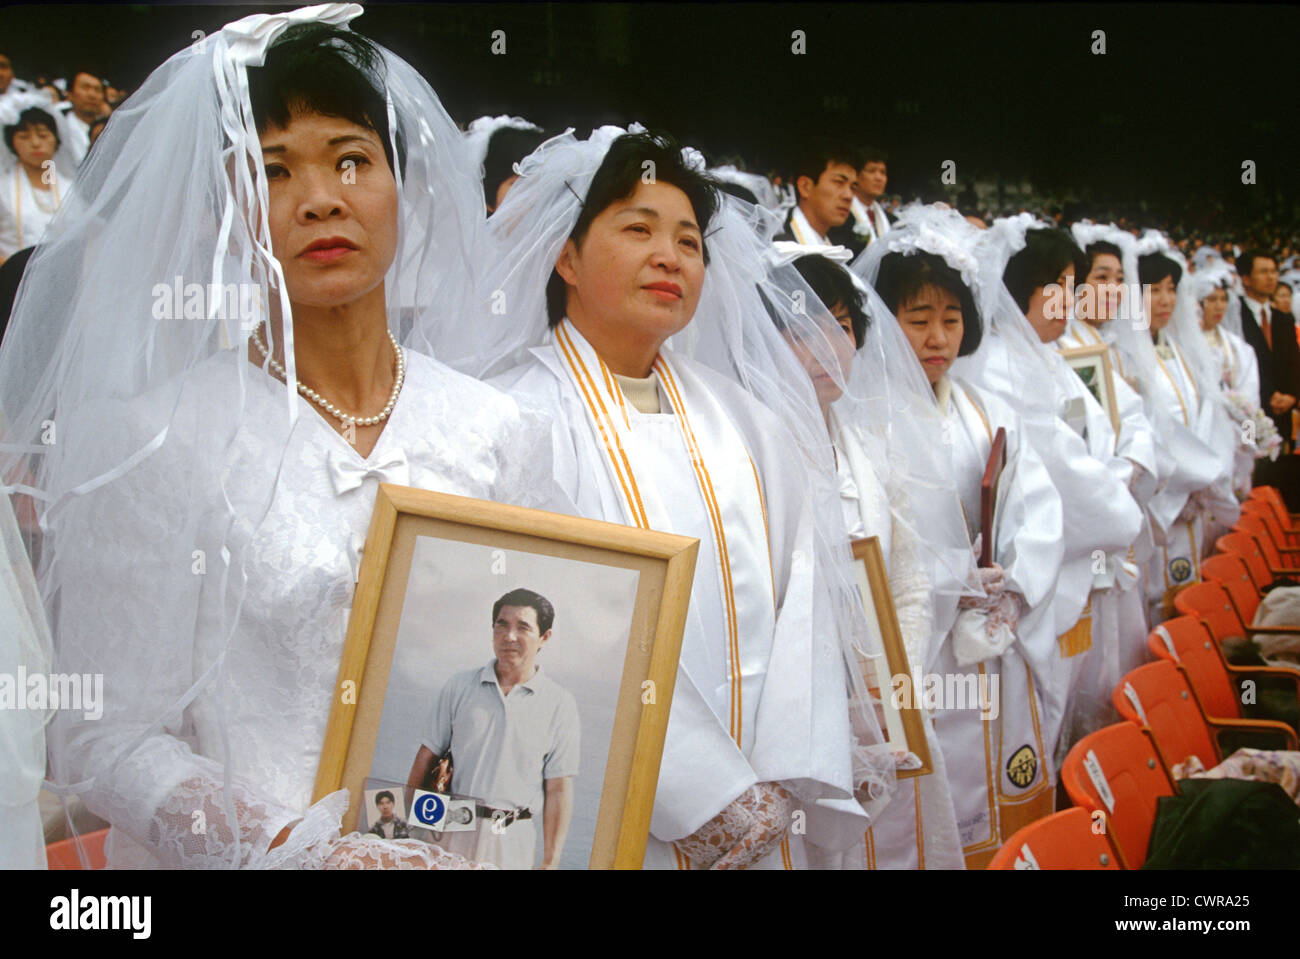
1098 778
1026 859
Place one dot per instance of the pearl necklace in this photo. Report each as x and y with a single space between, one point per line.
326 405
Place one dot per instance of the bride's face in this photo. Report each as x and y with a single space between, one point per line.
333 213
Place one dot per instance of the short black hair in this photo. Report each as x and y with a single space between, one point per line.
72 77
872 154
1246 262
902 277
31 117
1045 255
1282 283
833 284
384 794
507 146
322 69
617 178
820 153
526 597
1154 267
1094 250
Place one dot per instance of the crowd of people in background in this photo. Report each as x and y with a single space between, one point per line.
856 360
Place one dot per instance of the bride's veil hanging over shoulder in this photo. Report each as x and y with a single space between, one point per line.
126 335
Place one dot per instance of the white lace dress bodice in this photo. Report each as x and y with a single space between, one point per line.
277 608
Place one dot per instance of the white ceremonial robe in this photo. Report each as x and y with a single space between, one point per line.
758 698
803 230
25 212
918 829
1100 518
1116 607
132 607
1240 376
1137 444
999 768
1189 465
24 650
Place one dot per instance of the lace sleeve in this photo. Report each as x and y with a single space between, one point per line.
127 581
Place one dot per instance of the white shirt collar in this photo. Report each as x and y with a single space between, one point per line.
803 231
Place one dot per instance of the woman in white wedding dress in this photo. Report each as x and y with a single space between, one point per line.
202 520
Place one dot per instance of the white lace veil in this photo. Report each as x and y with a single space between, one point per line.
1216 274
888 403
12 106
160 266
1027 362
478 135
731 332
898 400
755 183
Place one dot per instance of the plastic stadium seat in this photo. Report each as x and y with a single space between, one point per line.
1279 525
1245 548
1132 777
1229 571
1211 603
1287 550
63 854
1216 684
1063 840
1159 697
1273 497
1281 562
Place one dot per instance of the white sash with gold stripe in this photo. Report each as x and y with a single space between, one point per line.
728 484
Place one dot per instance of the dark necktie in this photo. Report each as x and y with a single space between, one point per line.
1266 326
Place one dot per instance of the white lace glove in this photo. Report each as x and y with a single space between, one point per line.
364 851
986 625
743 833
314 843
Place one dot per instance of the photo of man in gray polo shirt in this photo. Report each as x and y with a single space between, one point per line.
514 739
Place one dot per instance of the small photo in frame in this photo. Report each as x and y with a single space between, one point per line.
507 677
1092 365
383 813
885 664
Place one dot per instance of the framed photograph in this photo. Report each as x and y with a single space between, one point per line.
507 679
886 663
1093 366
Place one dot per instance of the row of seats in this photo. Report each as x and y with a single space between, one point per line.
1184 704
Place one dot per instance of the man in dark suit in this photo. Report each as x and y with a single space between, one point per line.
869 220
1271 334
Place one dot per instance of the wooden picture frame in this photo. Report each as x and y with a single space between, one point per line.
903 725
990 483
1092 365
420 577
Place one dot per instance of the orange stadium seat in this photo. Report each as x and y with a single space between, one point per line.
1230 572
1281 562
1245 548
1063 840
1159 697
1128 778
1186 642
1270 496
1264 513
1277 520
63 854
